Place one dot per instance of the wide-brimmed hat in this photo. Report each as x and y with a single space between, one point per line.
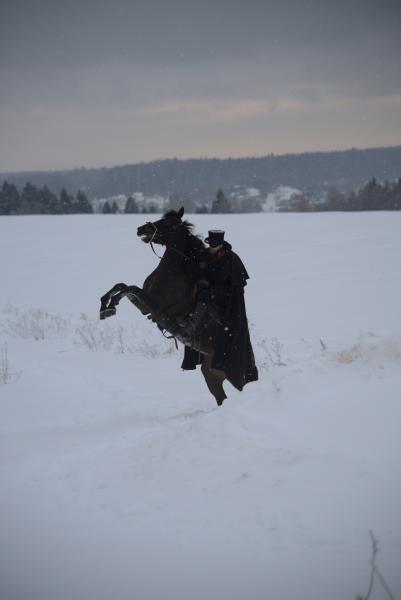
215 237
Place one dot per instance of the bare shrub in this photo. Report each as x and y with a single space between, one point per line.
90 333
153 350
98 336
375 573
94 337
34 324
271 354
4 367
7 374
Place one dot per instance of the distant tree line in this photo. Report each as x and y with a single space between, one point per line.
373 196
221 204
32 200
41 201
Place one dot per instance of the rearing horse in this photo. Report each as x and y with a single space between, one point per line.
167 295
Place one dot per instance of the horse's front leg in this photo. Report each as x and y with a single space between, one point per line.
137 296
111 299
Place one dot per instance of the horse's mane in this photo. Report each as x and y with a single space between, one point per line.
173 213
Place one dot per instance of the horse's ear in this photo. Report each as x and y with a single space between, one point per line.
180 212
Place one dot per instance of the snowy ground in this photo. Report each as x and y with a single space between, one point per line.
120 479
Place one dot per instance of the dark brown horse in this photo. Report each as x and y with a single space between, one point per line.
168 293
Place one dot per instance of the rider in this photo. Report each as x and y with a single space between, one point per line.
223 278
222 272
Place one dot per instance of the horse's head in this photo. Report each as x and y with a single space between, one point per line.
163 230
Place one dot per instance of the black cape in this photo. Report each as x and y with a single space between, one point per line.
233 353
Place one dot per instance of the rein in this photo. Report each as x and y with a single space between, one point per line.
154 251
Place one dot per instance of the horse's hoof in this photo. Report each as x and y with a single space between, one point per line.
107 312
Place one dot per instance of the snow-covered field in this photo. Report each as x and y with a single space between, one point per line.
121 479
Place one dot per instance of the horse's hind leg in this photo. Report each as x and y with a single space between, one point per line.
214 379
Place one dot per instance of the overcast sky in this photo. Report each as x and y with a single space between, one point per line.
95 83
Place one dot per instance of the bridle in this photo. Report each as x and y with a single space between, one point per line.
155 231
